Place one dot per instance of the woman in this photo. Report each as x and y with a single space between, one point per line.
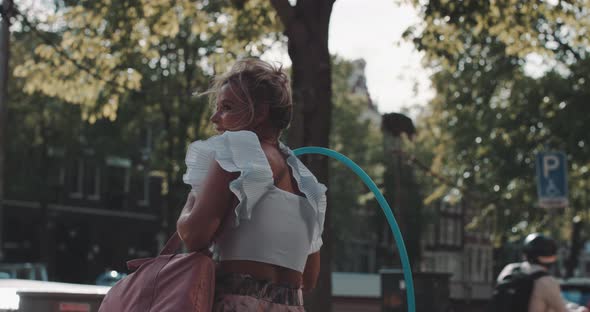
262 206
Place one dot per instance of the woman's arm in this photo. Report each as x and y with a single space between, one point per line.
204 212
311 271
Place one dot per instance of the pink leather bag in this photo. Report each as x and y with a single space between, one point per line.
168 283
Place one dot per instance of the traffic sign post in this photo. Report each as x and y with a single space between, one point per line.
552 179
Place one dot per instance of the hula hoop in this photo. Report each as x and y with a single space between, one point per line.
384 206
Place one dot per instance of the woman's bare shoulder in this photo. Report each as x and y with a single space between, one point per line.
275 158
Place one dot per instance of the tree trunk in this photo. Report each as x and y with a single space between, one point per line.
6 9
306 27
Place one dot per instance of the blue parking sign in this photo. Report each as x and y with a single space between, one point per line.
552 179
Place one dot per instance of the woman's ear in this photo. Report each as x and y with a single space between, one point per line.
261 114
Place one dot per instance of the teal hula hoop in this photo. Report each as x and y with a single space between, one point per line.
384 206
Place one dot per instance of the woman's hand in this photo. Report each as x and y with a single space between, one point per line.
311 271
188 206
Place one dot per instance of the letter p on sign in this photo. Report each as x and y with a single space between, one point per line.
552 179
550 162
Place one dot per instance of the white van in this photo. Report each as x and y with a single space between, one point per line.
42 296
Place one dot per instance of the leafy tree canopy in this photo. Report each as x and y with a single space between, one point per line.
493 111
92 62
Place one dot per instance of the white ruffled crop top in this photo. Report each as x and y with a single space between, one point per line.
270 225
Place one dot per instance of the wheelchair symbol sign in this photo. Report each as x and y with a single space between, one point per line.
552 179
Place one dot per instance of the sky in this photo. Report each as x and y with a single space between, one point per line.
372 30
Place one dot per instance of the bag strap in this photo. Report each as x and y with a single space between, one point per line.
172 245
169 250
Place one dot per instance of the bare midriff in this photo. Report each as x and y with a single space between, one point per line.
263 271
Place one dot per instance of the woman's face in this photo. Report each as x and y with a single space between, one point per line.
231 113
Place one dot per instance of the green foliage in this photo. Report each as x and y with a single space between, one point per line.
491 115
95 61
453 30
129 66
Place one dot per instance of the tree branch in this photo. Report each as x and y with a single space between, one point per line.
285 11
564 46
66 56
569 48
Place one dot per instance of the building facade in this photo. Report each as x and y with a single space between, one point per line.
85 213
450 246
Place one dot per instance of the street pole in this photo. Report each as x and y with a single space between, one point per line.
575 247
6 10
397 185
393 126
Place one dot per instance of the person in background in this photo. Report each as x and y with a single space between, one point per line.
541 254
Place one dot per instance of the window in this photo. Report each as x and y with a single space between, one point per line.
476 265
119 167
92 189
458 232
488 265
482 263
431 235
56 174
145 189
76 178
450 232
443 231
117 182
62 176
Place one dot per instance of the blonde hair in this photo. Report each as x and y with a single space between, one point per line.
256 83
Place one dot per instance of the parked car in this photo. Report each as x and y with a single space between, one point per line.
18 295
576 290
26 270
